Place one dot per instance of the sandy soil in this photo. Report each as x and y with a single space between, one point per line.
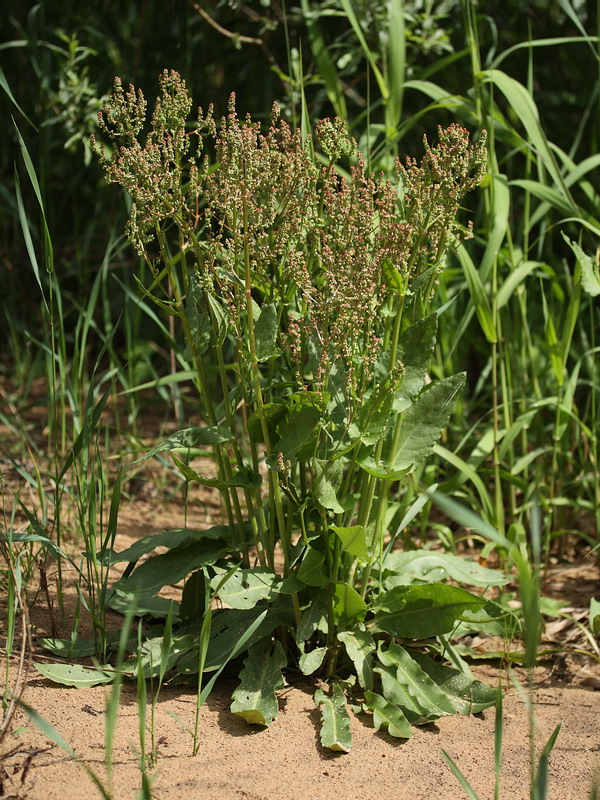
287 762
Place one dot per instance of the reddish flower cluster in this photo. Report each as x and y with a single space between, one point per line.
316 240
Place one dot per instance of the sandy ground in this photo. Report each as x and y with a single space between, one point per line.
287 762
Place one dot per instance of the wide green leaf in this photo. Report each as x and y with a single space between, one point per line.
423 611
328 480
335 720
415 348
155 657
314 617
171 567
254 699
154 607
230 625
359 646
590 274
428 567
354 540
246 587
348 604
468 695
312 568
387 715
66 648
170 539
310 662
190 437
265 332
295 431
423 422
412 688
75 675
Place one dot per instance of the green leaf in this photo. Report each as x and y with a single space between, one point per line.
500 216
412 688
310 662
425 566
423 611
273 412
387 715
265 332
199 321
229 626
170 539
415 348
254 699
348 604
314 618
244 478
595 616
359 646
155 607
312 569
492 618
547 194
335 720
190 437
296 430
219 317
540 784
468 695
155 657
526 110
372 57
194 598
423 422
478 295
246 587
66 648
75 675
374 415
590 274
171 567
471 794
354 540
329 477
515 278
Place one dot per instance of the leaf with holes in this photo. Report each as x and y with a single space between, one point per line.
75 675
255 699
335 720
428 567
423 611
247 586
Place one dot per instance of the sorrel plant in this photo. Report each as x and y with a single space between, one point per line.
303 283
